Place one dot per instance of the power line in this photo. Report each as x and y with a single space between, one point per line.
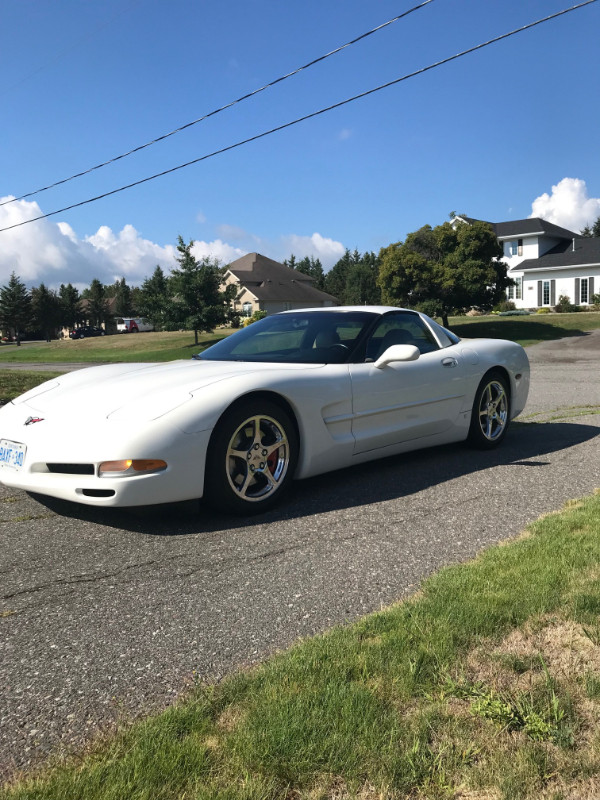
222 108
306 117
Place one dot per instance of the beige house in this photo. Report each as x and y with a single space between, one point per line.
267 285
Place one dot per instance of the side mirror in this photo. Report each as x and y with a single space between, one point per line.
397 352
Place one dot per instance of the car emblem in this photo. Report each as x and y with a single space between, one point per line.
31 420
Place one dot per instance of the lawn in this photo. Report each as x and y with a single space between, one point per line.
484 685
120 347
526 330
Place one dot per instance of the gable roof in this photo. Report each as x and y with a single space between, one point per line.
271 281
531 226
576 252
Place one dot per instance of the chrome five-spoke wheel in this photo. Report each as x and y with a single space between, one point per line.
258 458
252 457
491 412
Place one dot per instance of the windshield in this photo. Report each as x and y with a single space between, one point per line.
299 337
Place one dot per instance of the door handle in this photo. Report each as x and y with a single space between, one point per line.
449 362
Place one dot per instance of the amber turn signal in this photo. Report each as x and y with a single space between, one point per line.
130 467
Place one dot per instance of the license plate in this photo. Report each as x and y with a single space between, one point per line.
12 454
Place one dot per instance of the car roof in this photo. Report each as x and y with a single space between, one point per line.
344 309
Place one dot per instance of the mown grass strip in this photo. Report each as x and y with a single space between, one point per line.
485 682
15 382
119 347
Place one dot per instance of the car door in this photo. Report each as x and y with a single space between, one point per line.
405 399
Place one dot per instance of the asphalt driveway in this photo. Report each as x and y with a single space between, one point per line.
109 614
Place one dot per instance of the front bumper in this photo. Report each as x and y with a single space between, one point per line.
183 479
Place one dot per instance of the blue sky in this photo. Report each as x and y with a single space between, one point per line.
503 133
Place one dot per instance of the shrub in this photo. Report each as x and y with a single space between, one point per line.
564 305
544 310
505 305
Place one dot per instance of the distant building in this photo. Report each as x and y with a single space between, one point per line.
267 285
547 262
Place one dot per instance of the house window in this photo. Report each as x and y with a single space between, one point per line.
520 247
546 293
513 248
519 289
515 292
585 291
247 310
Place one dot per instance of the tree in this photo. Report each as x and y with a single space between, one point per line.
198 302
312 266
123 299
46 310
97 306
335 280
361 281
593 231
15 307
154 299
70 305
444 270
353 279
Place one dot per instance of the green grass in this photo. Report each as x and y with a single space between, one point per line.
526 330
15 382
130 347
486 681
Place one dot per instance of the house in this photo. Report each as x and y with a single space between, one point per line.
547 262
266 285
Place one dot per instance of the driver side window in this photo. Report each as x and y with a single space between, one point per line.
400 329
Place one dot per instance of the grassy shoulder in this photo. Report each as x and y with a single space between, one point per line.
151 346
485 684
526 330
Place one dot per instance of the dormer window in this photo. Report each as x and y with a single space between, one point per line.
514 248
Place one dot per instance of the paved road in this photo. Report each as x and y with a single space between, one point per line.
107 614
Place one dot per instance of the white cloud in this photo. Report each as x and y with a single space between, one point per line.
568 205
344 134
53 253
327 250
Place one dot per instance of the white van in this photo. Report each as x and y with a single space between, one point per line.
133 325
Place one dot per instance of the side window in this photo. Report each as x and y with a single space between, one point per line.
400 329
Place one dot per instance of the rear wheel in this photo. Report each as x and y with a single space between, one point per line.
491 412
251 458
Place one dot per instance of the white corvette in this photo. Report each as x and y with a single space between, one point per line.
293 395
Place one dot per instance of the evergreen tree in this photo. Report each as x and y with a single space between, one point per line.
70 305
593 231
46 310
198 302
336 278
15 307
312 266
154 299
97 306
123 300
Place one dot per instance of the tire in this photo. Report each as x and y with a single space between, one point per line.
251 458
491 412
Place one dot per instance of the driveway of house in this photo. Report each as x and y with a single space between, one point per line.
108 614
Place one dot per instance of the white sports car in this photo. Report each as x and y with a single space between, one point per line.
293 395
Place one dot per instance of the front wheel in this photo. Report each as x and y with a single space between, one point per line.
251 458
491 412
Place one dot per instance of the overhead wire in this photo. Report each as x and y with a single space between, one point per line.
339 104
222 108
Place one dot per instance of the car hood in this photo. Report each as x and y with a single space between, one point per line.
142 391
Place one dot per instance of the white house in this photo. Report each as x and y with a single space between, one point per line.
266 285
547 262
